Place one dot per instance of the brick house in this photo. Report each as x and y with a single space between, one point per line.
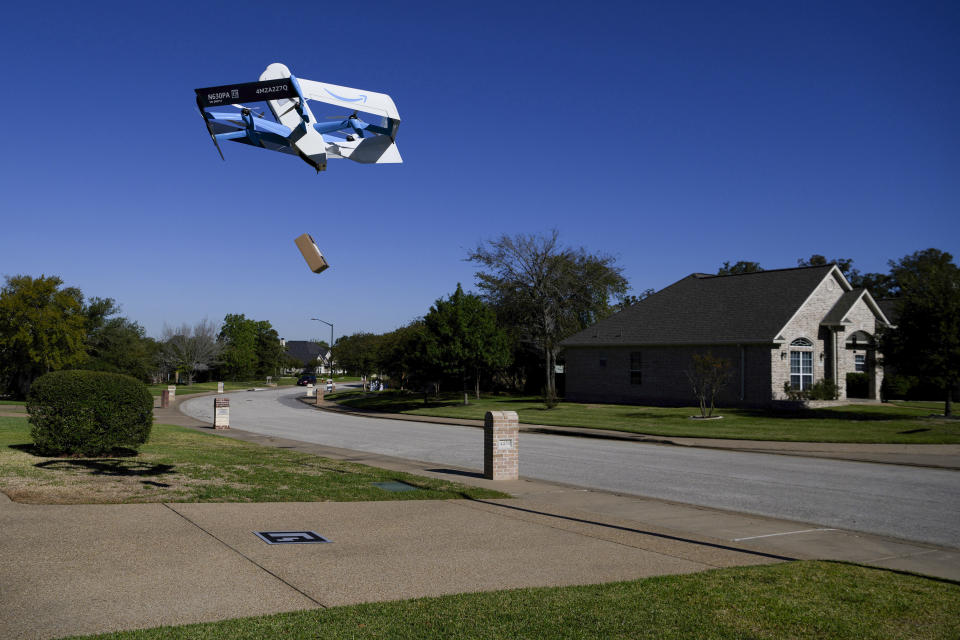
794 326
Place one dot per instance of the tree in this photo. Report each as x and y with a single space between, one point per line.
630 300
741 266
43 328
463 337
926 339
880 285
188 350
269 350
238 346
708 375
357 353
844 264
120 345
545 290
399 353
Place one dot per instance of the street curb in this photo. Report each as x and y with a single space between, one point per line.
601 434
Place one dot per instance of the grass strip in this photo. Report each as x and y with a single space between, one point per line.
183 465
205 387
791 600
900 423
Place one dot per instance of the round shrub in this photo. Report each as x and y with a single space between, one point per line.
88 412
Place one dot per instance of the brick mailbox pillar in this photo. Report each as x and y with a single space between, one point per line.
164 399
501 445
319 400
221 413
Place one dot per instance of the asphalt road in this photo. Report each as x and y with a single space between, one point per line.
912 503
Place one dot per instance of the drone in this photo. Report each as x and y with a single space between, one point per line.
294 129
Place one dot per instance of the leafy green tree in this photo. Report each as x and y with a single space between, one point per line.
238 344
399 354
43 328
741 266
546 291
462 336
880 285
269 350
120 345
844 264
357 353
926 339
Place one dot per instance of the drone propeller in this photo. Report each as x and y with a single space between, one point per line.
242 107
206 121
354 122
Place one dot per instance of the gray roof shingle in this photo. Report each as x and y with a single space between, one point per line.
709 309
305 351
842 307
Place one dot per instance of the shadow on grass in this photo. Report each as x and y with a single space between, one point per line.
119 452
113 465
109 467
828 414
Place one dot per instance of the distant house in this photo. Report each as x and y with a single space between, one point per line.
795 326
310 356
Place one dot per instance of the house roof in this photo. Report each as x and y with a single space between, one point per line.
709 309
842 307
305 351
889 308
837 315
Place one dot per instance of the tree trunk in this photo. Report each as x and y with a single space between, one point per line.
549 390
466 395
477 384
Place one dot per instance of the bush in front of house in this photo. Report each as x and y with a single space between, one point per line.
88 412
820 390
858 385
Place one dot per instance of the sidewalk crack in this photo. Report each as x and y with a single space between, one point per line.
249 559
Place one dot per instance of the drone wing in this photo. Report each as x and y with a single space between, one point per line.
353 99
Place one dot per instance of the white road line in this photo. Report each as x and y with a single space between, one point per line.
785 533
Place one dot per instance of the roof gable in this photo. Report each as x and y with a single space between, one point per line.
708 309
837 316
303 350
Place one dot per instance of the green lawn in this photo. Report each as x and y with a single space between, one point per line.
792 600
12 402
204 387
182 465
902 423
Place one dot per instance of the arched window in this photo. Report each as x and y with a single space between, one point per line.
801 364
860 340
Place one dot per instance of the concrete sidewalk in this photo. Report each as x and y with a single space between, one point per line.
95 568
941 456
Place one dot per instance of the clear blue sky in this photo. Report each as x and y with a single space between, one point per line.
672 135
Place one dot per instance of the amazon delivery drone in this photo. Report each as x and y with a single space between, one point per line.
296 131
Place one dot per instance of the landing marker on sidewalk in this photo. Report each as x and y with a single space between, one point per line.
290 537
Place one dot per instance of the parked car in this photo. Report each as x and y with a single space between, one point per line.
306 379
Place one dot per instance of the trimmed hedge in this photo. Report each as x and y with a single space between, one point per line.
88 412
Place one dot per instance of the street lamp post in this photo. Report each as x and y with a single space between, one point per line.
330 324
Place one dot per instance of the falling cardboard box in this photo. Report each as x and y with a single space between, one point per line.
311 253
